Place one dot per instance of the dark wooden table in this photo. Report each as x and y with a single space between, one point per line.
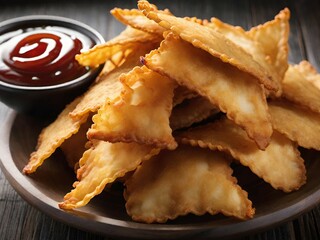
18 220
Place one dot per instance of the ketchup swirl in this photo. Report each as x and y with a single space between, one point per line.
42 56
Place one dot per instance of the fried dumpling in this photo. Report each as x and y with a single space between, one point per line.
186 180
211 41
279 164
52 136
301 85
225 86
299 124
136 19
117 48
141 114
109 85
103 163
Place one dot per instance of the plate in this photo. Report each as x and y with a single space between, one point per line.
106 214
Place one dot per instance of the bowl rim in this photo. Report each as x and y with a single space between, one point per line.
69 21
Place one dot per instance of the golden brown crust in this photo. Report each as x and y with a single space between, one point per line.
154 193
102 164
141 114
136 19
298 123
302 85
270 52
109 85
232 91
279 164
211 41
52 136
117 48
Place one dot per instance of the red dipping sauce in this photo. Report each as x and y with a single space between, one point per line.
41 56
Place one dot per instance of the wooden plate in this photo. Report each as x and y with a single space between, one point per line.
106 214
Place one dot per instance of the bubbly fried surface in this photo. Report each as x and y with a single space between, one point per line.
103 164
302 85
211 41
299 124
117 48
94 98
109 85
140 114
273 36
157 191
269 52
53 136
231 90
279 164
309 72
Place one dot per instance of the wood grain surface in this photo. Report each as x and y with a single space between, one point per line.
18 220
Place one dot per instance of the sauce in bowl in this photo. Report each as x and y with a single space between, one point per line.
41 56
38 71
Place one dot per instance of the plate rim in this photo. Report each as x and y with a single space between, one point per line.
120 228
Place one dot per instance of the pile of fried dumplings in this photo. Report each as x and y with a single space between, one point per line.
178 101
